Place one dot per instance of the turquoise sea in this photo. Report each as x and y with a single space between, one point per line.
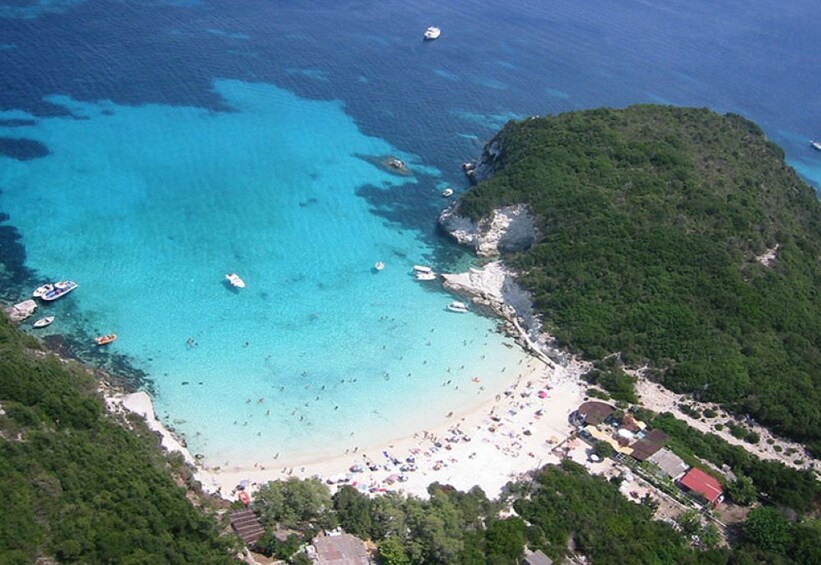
149 148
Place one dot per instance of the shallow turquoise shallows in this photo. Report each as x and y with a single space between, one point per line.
148 208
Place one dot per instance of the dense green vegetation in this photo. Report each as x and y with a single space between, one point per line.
651 219
465 528
78 487
563 511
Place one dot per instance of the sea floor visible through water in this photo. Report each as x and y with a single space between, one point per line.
320 348
148 149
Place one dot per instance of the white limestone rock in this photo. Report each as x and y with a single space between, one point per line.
21 310
508 230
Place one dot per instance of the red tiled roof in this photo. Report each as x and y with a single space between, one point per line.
698 481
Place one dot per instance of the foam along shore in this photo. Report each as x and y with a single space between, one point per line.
496 440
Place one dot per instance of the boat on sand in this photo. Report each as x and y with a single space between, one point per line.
105 339
43 322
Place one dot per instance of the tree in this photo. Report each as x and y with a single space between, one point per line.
353 510
392 552
710 536
294 503
603 449
767 529
742 491
690 523
505 540
807 546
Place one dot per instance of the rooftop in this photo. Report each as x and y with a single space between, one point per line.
648 445
701 483
536 558
672 465
340 549
595 412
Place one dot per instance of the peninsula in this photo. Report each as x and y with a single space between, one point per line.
676 239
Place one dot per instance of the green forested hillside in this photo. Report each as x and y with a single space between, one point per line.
652 219
76 486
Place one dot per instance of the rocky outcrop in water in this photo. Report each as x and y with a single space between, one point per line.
21 310
483 168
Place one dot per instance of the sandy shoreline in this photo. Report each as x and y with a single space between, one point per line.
487 445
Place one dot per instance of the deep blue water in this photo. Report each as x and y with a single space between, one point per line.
146 148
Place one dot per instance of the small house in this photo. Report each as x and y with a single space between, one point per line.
670 464
536 558
702 485
339 548
648 445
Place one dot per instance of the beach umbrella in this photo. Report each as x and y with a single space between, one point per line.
542 394
244 484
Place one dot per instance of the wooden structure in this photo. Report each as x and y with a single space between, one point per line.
247 526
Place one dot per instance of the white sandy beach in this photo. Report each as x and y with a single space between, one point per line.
494 443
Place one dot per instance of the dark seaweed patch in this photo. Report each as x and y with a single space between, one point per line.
22 149
17 123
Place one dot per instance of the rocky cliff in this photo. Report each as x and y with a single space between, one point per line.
508 230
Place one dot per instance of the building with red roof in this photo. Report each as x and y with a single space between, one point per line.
702 485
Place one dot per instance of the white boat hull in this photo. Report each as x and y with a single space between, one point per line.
43 322
235 280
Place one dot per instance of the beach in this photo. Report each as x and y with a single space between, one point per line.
496 442
487 443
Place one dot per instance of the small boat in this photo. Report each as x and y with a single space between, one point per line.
235 280
41 290
457 306
105 339
816 145
447 193
49 292
432 33
426 276
43 322
422 269
379 265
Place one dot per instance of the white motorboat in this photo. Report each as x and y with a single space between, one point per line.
432 33
447 193
816 145
457 306
426 276
41 290
43 322
422 269
53 291
235 280
379 265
